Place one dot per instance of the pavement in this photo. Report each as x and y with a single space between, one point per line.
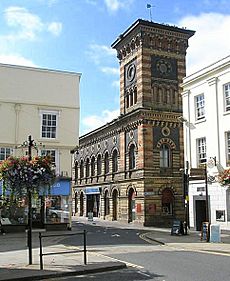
14 252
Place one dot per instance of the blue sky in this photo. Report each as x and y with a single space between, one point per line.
76 35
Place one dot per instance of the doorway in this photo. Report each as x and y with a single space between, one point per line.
200 207
115 197
81 204
131 205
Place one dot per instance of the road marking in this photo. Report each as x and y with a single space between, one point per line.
127 263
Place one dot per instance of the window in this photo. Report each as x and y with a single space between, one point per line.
115 161
76 171
227 96
106 163
51 153
49 124
228 147
5 152
165 156
87 168
132 160
99 165
93 166
201 150
200 110
82 169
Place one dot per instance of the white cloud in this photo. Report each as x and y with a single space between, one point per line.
210 42
95 121
98 53
16 60
27 26
116 84
115 5
110 70
55 28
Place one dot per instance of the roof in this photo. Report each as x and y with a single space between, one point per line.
152 24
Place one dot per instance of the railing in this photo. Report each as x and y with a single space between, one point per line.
41 236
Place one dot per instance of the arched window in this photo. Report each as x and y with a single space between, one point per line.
93 166
76 171
165 156
115 161
167 201
87 168
106 163
132 160
99 164
82 169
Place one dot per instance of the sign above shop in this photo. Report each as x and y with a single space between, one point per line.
92 190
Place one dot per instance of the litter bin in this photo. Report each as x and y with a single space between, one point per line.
177 228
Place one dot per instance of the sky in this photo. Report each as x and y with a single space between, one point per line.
76 35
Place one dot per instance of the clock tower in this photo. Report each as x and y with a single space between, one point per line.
152 66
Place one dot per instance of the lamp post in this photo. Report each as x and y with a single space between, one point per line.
186 197
29 241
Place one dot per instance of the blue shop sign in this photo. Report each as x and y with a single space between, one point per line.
60 187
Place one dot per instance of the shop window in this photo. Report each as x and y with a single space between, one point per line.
57 209
220 215
93 166
167 201
106 163
165 156
99 164
115 161
132 160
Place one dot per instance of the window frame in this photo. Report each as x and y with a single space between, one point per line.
132 157
5 154
52 113
227 140
199 107
226 91
165 158
201 146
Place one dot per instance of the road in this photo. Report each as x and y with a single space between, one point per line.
148 261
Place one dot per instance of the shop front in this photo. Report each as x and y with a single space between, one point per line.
93 201
49 211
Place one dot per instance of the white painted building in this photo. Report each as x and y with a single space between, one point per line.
42 103
206 118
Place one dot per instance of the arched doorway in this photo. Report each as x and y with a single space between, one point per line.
76 204
115 203
81 204
106 203
131 205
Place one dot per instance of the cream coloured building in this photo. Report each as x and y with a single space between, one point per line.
42 103
206 116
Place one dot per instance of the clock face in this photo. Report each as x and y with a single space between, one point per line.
130 73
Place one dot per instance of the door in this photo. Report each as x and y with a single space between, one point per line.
115 197
200 213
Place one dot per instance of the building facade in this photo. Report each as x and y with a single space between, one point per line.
129 169
206 118
44 104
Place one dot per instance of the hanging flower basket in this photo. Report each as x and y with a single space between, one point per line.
19 174
224 178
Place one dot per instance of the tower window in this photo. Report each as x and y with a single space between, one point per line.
165 155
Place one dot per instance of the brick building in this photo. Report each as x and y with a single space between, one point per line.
129 169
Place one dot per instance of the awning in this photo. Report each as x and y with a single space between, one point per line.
92 190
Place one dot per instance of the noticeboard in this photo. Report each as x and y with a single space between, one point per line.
205 231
